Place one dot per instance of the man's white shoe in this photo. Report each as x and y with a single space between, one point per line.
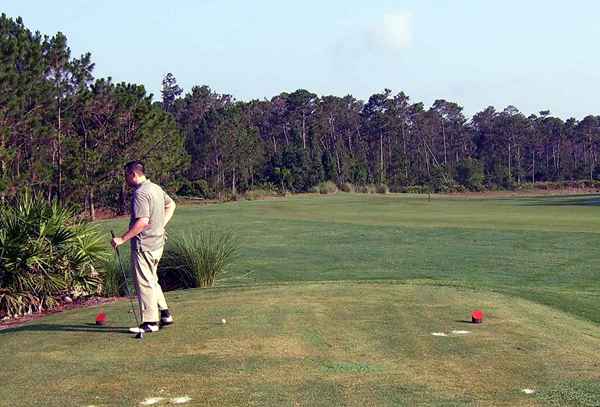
165 317
144 328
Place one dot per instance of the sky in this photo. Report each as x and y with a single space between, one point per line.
535 55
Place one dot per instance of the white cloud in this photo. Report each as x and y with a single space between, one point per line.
392 32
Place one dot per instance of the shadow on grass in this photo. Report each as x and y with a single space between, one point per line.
569 200
464 321
66 328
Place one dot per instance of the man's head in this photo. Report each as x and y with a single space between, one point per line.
134 173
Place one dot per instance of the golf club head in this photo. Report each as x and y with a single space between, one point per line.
140 335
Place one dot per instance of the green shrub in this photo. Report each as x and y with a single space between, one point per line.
45 252
347 187
327 187
255 194
417 189
197 260
197 188
382 189
367 189
469 173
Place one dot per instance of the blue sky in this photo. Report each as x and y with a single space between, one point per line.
532 54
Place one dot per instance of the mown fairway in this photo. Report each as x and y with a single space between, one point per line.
333 302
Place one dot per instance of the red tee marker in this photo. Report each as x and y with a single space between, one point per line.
477 317
101 318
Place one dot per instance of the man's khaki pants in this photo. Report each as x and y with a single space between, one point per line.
150 296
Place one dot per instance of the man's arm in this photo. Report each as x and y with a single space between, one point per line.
169 211
136 229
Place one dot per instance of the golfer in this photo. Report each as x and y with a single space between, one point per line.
151 210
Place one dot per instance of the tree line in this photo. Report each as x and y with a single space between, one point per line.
67 134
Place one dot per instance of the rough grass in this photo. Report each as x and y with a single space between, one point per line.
333 301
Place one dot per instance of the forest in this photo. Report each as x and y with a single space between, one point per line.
66 135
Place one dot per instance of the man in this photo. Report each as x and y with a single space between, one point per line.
151 210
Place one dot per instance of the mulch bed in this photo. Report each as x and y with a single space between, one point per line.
77 304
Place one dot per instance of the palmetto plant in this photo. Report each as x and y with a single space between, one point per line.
45 252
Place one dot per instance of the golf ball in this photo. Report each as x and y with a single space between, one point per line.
223 321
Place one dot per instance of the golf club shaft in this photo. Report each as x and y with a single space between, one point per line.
126 282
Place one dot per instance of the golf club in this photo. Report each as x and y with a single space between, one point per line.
140 334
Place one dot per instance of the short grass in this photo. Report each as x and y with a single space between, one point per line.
333 302
546 249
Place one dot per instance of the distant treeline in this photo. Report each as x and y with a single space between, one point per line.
66 134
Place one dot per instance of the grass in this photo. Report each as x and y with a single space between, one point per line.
333 301
542 249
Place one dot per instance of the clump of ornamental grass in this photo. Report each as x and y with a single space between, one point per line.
327 187
113 281
347 187
199 259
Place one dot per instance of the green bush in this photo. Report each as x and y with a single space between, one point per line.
347 187
469 173
197 260
367 189
382 189
327 187
417 189
255 194
197 188
45 253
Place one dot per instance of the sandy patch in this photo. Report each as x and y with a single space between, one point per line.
180 400
151 401
528 391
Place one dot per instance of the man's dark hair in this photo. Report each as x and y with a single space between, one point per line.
134 166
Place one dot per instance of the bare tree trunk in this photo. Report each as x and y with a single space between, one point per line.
533 168
591 158
350 141
303 131
338 165
59 189
122 205
509 164
518 164
558 172
233 189
381 158
91 204
444 137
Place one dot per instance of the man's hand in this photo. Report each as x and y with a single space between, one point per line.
137 228
116 242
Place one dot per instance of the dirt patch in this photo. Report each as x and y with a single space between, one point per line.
77 304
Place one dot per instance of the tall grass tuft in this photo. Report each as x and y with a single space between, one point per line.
327 187
198 260
347 187
113 282
367 189
382 189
